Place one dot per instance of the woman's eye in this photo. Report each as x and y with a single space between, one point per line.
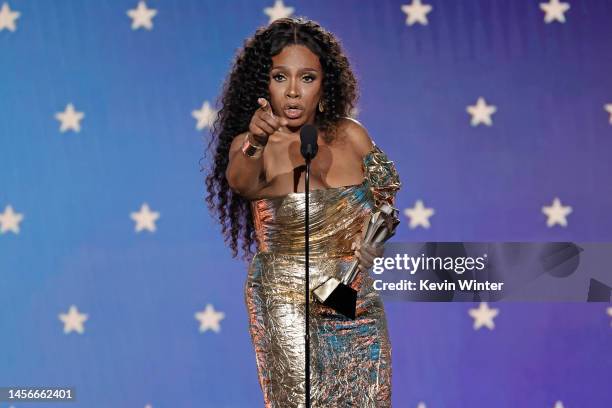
309 77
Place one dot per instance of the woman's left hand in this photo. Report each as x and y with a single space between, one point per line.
366 253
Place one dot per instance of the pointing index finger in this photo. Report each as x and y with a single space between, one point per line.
267 107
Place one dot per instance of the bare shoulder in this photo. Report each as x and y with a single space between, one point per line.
357 136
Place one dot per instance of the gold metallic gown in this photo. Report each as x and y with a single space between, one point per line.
350 359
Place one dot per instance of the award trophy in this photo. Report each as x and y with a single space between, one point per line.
337 294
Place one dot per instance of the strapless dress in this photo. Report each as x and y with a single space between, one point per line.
350 359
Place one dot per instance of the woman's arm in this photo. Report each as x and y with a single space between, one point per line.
243 174
362 144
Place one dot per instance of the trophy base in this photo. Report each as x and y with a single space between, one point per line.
343 300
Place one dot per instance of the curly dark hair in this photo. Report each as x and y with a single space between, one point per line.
249 79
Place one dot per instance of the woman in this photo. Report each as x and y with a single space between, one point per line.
292 73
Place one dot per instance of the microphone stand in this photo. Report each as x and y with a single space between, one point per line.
306 236
308 149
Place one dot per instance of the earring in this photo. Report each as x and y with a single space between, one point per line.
320 107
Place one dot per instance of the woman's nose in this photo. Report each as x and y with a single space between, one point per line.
292 91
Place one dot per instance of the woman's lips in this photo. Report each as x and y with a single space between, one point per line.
293 113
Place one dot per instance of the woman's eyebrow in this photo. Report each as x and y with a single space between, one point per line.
303 69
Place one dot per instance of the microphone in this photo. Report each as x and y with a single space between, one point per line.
308 138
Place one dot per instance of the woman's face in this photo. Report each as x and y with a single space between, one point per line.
296 85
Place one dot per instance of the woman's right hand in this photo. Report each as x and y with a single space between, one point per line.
264 123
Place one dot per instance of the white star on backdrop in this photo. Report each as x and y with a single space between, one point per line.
142 16
416 12
8 17
419 215
608 108
148 406
9 220
73 320
70 118
205 116
481 112
421 405
278 11
554 11
556 213
558 404
209 319
610 314
145 218
483 316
